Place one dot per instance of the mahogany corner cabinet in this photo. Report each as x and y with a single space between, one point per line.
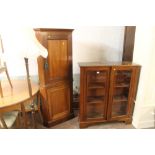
55 75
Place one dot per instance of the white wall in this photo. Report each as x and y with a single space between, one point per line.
90 43
144 54
97 44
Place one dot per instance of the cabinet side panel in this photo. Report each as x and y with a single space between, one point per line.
134 89
44 105
41 72
82 92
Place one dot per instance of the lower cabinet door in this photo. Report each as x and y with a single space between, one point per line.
59 102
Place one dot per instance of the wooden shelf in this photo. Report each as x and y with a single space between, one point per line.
95 99
120 99
96 85
122 85
118 113
93 115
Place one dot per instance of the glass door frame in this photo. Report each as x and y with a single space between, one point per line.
96 69
111 91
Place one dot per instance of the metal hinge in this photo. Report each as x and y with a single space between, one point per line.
46 65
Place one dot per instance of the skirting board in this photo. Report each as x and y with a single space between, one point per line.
144 124
144 117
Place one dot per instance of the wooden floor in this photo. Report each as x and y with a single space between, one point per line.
73 124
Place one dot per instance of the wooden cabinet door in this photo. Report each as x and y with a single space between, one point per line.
95 97
59 101
121 92
58 65
58 59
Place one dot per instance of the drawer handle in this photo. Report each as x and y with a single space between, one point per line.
98 72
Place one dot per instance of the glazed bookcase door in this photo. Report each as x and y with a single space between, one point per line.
120 91
96 96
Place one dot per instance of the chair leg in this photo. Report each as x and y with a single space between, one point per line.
33 114
1 91
3 123
39 110
24 115
40 116
33 119
7 74
18 121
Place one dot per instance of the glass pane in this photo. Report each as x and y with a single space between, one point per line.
120 94
122 78
119 108
95 110
95 101
96 76
96 92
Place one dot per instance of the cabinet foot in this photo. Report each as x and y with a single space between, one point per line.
83 125
128 121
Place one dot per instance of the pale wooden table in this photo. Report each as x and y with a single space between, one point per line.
14 98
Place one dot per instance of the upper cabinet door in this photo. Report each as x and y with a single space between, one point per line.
58 65
58 59
120 91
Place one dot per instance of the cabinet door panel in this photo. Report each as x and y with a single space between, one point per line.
95 111
58 59
120 91
119 109
96 98
59 101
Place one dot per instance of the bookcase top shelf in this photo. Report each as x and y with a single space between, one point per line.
101 63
